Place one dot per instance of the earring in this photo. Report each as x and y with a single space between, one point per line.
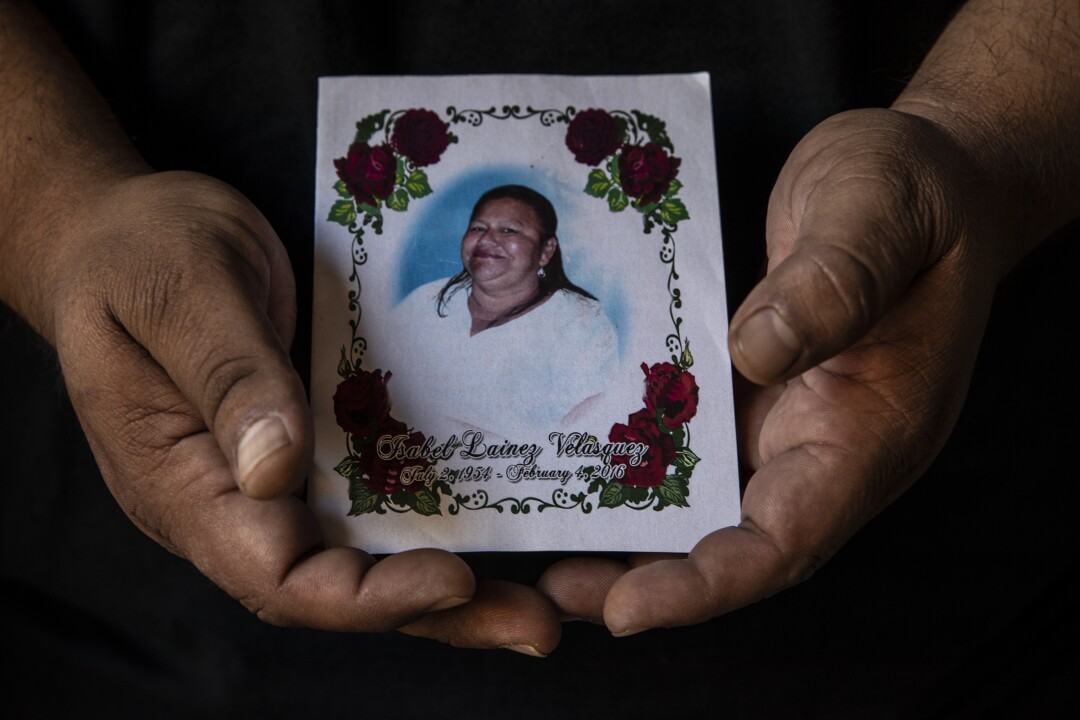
540 273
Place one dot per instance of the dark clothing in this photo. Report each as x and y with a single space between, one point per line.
959 601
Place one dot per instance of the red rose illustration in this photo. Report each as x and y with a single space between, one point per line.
368 172
592 136
361 405
384 475
641 428
673 390
646 171
420 136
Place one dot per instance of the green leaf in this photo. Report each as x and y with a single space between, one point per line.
369 125
655 128
363 500
398 200
678 481
613 163
598 183
417 184
425 502
343 212
371 503
348 466
399 175
673 188
612 496
670 496
342 191
617 200
672 492
635 493
672 211
686 458
372 210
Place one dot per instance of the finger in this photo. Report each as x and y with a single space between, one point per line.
752 406
792 523
500 615
212 300
268 554
852 219
578 586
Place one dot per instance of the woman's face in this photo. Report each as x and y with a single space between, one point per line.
502 249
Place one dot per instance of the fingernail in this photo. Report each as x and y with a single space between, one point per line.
767 343
260 440
578 618
448 602
525 650
628 632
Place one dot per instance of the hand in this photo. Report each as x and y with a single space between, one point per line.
879 283
171 323
170 302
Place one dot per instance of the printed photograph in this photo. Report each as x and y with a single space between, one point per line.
522 311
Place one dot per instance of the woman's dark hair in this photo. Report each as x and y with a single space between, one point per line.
554 277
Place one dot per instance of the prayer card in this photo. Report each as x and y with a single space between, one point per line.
520 329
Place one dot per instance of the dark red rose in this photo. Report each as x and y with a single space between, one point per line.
673 390
420 136
361 405
646 172
592 136
383 475
368 172
641 428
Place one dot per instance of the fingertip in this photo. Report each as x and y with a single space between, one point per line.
500 615
427 579
578 586
764 347
664 593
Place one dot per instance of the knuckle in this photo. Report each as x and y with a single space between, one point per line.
848 283
223 378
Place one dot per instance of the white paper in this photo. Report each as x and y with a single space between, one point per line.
539 432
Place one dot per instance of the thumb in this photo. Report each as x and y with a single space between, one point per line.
857 212
213 303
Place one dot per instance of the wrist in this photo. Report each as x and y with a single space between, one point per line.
1001 82
61 152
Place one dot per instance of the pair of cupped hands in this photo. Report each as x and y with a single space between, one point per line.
177 310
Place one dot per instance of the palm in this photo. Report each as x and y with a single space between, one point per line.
180 308
875 274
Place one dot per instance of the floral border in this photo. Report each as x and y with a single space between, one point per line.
634 166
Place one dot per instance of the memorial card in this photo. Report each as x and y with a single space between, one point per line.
519 336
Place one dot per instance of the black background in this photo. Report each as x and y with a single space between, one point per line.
958 601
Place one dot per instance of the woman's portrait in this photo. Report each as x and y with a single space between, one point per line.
509 328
